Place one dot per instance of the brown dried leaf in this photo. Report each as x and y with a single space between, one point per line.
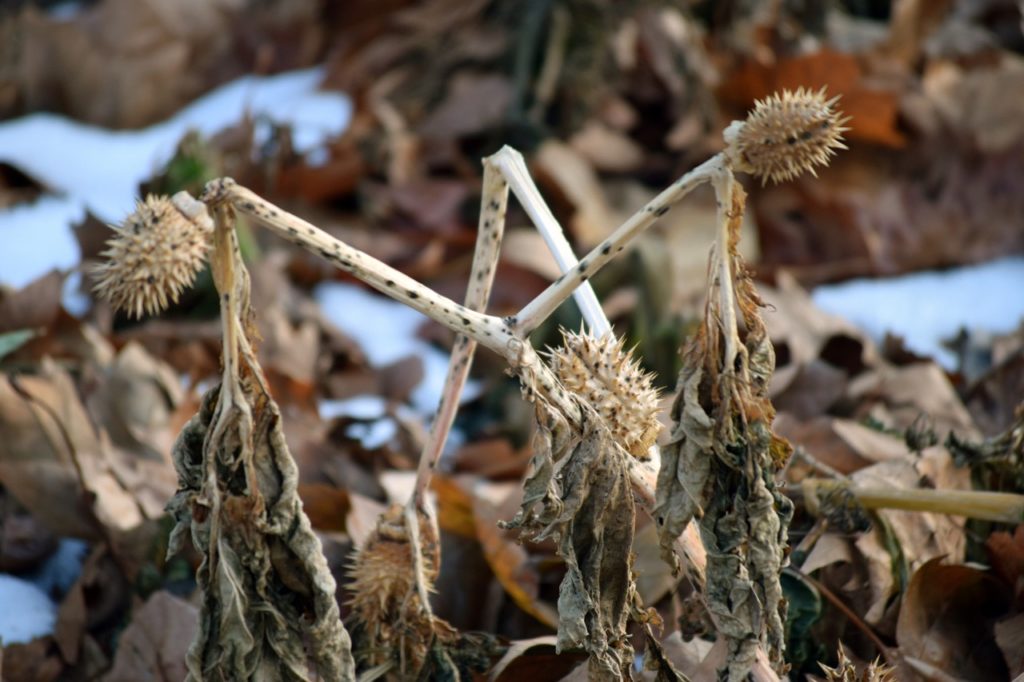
257 545
560 168
908 391
1010 638
946 621
135 404
720 467
579 494
268 597
508 559
154 644
53 451
167 54
33 306
475 102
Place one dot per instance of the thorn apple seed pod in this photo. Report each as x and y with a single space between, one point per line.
155 255
603 373
785 135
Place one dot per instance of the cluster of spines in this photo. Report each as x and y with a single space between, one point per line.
384 599
604 373
787 134
153 257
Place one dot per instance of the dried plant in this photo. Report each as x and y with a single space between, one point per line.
594 427
268 609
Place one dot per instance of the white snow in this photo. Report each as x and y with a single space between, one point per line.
27 611
36 238
359 407
927 307
100 170
386 331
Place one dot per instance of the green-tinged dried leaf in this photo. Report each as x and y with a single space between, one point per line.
579 493
267 609
12 341
720 466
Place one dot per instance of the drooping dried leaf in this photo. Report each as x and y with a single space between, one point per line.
719 468
578 493
268 606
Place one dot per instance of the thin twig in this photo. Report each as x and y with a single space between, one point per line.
887 652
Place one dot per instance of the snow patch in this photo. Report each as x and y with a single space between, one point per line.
27 613
927 307
101 170
386 331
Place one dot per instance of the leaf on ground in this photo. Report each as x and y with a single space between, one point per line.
53 451
946 621
874 112
507 558
905 540
566 174
34 306
154 644
906 392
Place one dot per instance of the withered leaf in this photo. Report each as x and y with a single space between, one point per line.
581 484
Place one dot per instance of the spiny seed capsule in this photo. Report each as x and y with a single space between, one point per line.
384 600
786 134
155 255
604 374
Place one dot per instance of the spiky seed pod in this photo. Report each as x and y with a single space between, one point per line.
786 134
846 671
385 603
155 255
604 373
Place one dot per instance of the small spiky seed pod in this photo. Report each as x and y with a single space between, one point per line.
385 602
603 373
155 255
845 671
786 134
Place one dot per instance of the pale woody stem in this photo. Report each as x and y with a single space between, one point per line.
494 202
513 167
724 184
540 308
489 331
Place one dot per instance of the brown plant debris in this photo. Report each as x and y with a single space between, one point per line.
393 627
605 373
155 256
720 467
578 493
268 609
787 134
